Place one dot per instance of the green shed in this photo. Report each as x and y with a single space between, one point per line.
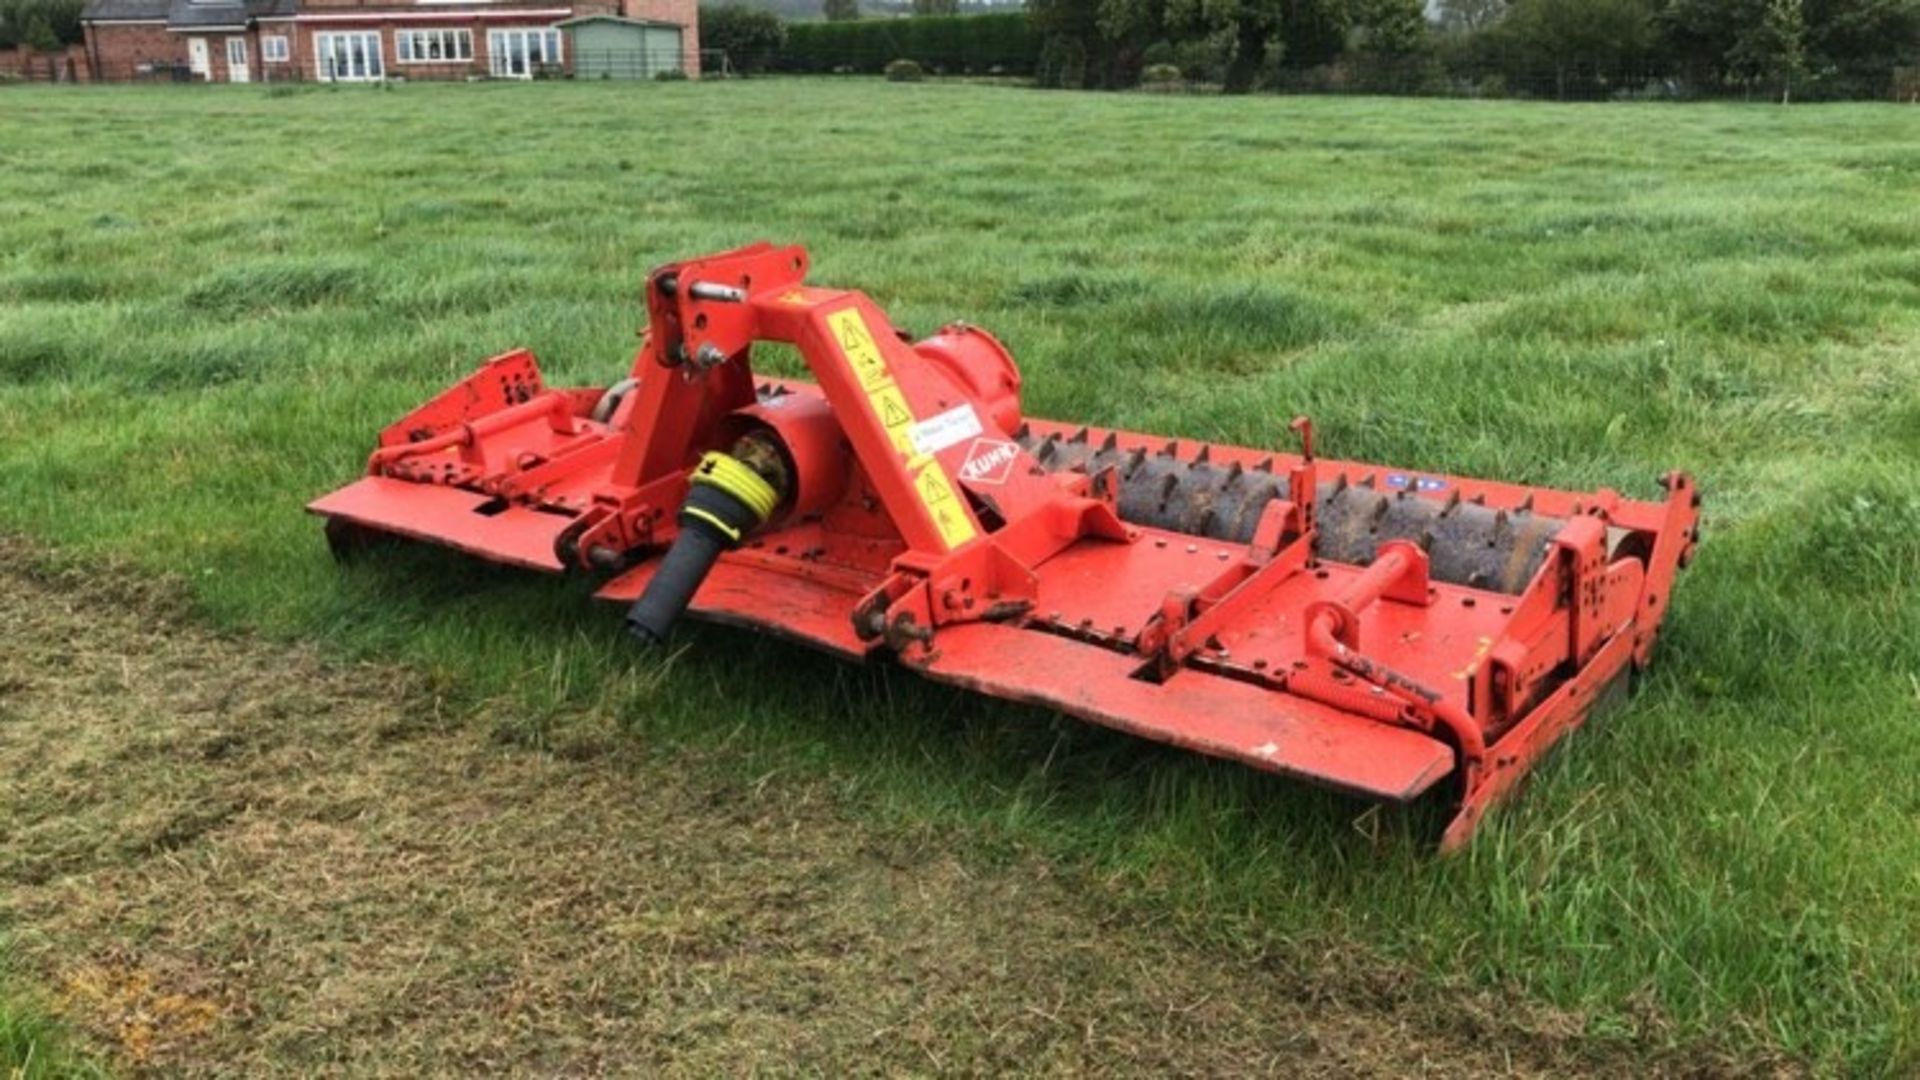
612 47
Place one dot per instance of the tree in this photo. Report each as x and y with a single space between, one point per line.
1470 16
841 10
1389 45
936 7
1587 45
1775 48
749 36
40 24
1250 28
1388 28
1092 44
37 33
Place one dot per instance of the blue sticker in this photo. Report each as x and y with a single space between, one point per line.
1396 480
1428 483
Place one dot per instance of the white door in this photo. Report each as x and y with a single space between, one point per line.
197 57
237 59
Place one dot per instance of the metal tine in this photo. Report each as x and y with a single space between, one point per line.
1045 453
1110 443
1265 466
1172 447
1205 455
1233 475
1025 429
1135 459
1453 503
1080 436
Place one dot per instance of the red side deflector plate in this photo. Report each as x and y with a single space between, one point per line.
1196 710
448 516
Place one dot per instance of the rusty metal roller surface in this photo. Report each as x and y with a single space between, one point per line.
1467 544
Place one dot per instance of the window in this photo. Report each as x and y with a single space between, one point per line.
236 52
432 46
350 57
273 49
517 54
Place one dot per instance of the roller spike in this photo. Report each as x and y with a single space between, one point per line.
1023 431
1079 436
1453 503
1046 449
1264 466
1205 455
1205 522
1110 443
1426 540
1167 484
1233 475
1367 482
1526 504
1172 447
1134 461
1340 484
1379 511
1479 500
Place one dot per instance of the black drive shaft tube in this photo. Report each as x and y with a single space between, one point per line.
725 501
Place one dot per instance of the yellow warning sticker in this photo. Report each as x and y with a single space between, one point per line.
891 407
949 516
856 341
850 332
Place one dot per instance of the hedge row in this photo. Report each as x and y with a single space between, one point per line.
949 44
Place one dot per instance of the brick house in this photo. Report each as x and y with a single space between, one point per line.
353 40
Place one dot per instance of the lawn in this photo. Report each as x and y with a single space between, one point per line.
211 300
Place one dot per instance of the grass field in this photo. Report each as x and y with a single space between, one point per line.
209 302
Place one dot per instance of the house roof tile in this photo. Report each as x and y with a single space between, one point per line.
187 14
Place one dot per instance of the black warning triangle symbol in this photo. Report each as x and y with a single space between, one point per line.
892 414
933 487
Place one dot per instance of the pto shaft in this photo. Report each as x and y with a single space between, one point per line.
726 499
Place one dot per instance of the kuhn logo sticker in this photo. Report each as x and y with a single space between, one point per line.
989 461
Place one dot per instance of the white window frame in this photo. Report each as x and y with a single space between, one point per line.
501 57
456 45
374 61
273 49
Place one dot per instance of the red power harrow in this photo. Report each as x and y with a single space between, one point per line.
1376 630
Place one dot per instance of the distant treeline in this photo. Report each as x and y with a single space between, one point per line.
1550 48
1006 43
1540 48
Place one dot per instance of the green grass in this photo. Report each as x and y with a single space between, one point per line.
32 1045
210 301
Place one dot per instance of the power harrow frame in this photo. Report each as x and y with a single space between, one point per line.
1381 631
